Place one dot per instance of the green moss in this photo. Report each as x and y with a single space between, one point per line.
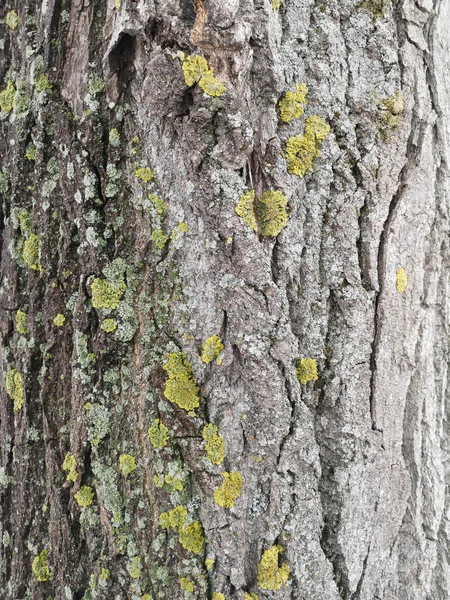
30 252
105 294
226 495
211 349
215 446
14 388
186 584
291 106
127 464
270 575
108 325
59 320
389 113
84 496
22 322
145 174
401 280
7 97
302 152
12 19
174 519
40 566
181 387
245 208
376 8
191 537
114 138
307 370
272 215
70 465
195 69
158 434
159 238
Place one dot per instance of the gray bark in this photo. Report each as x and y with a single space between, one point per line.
349 474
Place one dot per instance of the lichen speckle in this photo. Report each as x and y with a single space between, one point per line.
31 252
186 584
84 496
218 596
401 280
209 563
158 434
108 325
145 174
211 349
302 152
174 519
181 387
291 106
215 446
40 566
7 97
127 464
270 575
70 465
14 388
22 322
59 320
307 370
226 495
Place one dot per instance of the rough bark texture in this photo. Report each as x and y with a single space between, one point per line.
349 474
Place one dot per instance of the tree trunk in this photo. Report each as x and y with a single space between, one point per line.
130 237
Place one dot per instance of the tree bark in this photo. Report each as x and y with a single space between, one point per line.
119 184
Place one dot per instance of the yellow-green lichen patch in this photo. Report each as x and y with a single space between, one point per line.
105 294
22 322
30 152
7 97
211 349
174 483
276 4
114 138
174 519
158 204
159 238
245 209
84 496
158 480
104 574
181 387
59 320
14 388
226 495
108 325
145 174
12 19
135 569
390 110
251 596
43 84
158 434
307 370
209 563
40 566
215 446
186 584
272 215
191 537
270 575
30 252
196 70
302 152
127 464
70 466
401 280
183 227
218 596
291 106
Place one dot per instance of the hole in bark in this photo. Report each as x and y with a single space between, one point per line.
121 59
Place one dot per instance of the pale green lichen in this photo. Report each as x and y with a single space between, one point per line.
14 388
70 465
108 325
211 349
390 110
40 566
158 434
272 215
59 320
302 152
196 70
191 537
22 322
401 280
226 495
181 387
30 252
215 445
174 519
105 294
270 575
84 496
291 106
7 97
245 209
114 138
186 584
127 464
12 19
307 370
145 174
97 417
